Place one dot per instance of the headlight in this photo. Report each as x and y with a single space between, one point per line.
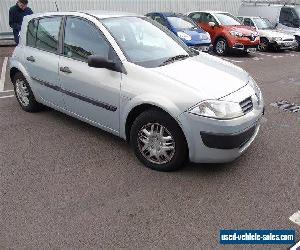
184 36
236 33
208 36
276 39
216 109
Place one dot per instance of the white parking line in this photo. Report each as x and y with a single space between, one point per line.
297 246
230 60
296 218
8 96
3 72
5 91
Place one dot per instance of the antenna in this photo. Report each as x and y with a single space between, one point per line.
57 9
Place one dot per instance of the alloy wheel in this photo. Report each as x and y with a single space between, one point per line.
22 92
156 143
221 47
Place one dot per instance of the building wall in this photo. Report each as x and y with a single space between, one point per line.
136 6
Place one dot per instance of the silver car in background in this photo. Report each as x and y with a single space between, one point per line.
122 73
270 36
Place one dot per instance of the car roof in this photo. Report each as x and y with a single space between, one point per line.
96 13
250 16
167 14
209 11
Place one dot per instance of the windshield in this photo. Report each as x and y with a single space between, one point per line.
227 19
143 43
181 22
263 24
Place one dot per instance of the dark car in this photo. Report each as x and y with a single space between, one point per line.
185 28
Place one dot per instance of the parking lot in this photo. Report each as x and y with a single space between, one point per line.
65 184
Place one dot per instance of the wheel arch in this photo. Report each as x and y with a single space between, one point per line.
141 107
13 71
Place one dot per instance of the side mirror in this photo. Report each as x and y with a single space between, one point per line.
212 24
101 62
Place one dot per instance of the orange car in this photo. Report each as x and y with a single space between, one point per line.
226 31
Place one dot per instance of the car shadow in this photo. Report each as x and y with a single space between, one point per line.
188 169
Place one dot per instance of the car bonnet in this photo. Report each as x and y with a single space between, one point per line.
212 77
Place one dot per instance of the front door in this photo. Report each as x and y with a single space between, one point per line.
91 93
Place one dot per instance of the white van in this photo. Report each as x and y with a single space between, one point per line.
286 17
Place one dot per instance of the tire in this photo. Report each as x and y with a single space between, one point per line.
221 47
298 41
264 45
24 94
145 134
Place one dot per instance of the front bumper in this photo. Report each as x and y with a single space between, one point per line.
285 44
203 47
243 43
220 141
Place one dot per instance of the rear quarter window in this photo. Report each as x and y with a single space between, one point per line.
48 33
31 32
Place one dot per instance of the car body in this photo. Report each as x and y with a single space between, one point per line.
285 17
185 28
270 37
171 104
226 31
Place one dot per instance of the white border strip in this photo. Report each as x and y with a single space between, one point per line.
3 73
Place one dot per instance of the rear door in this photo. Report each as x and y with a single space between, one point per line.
41 56
91 93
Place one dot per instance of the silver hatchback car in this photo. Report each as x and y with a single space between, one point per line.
132 77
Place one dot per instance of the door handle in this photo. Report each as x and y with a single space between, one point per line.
30 59
65 70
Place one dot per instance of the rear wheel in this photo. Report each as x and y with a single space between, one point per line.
298 41
158 141
24 94
221 47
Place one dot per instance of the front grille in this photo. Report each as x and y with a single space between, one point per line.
288 40
247 105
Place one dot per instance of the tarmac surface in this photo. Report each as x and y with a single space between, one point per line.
65 184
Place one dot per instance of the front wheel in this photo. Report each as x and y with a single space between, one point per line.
158 141
263 45
221 47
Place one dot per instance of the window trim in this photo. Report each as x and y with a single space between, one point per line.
63 32
38 20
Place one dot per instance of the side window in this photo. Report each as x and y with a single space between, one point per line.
31 32
206 18
83 39
196 17
47 34
289 17
248 22
160 20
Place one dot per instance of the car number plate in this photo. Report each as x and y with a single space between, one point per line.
251 50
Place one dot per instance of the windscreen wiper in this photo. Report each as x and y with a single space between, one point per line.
174 58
